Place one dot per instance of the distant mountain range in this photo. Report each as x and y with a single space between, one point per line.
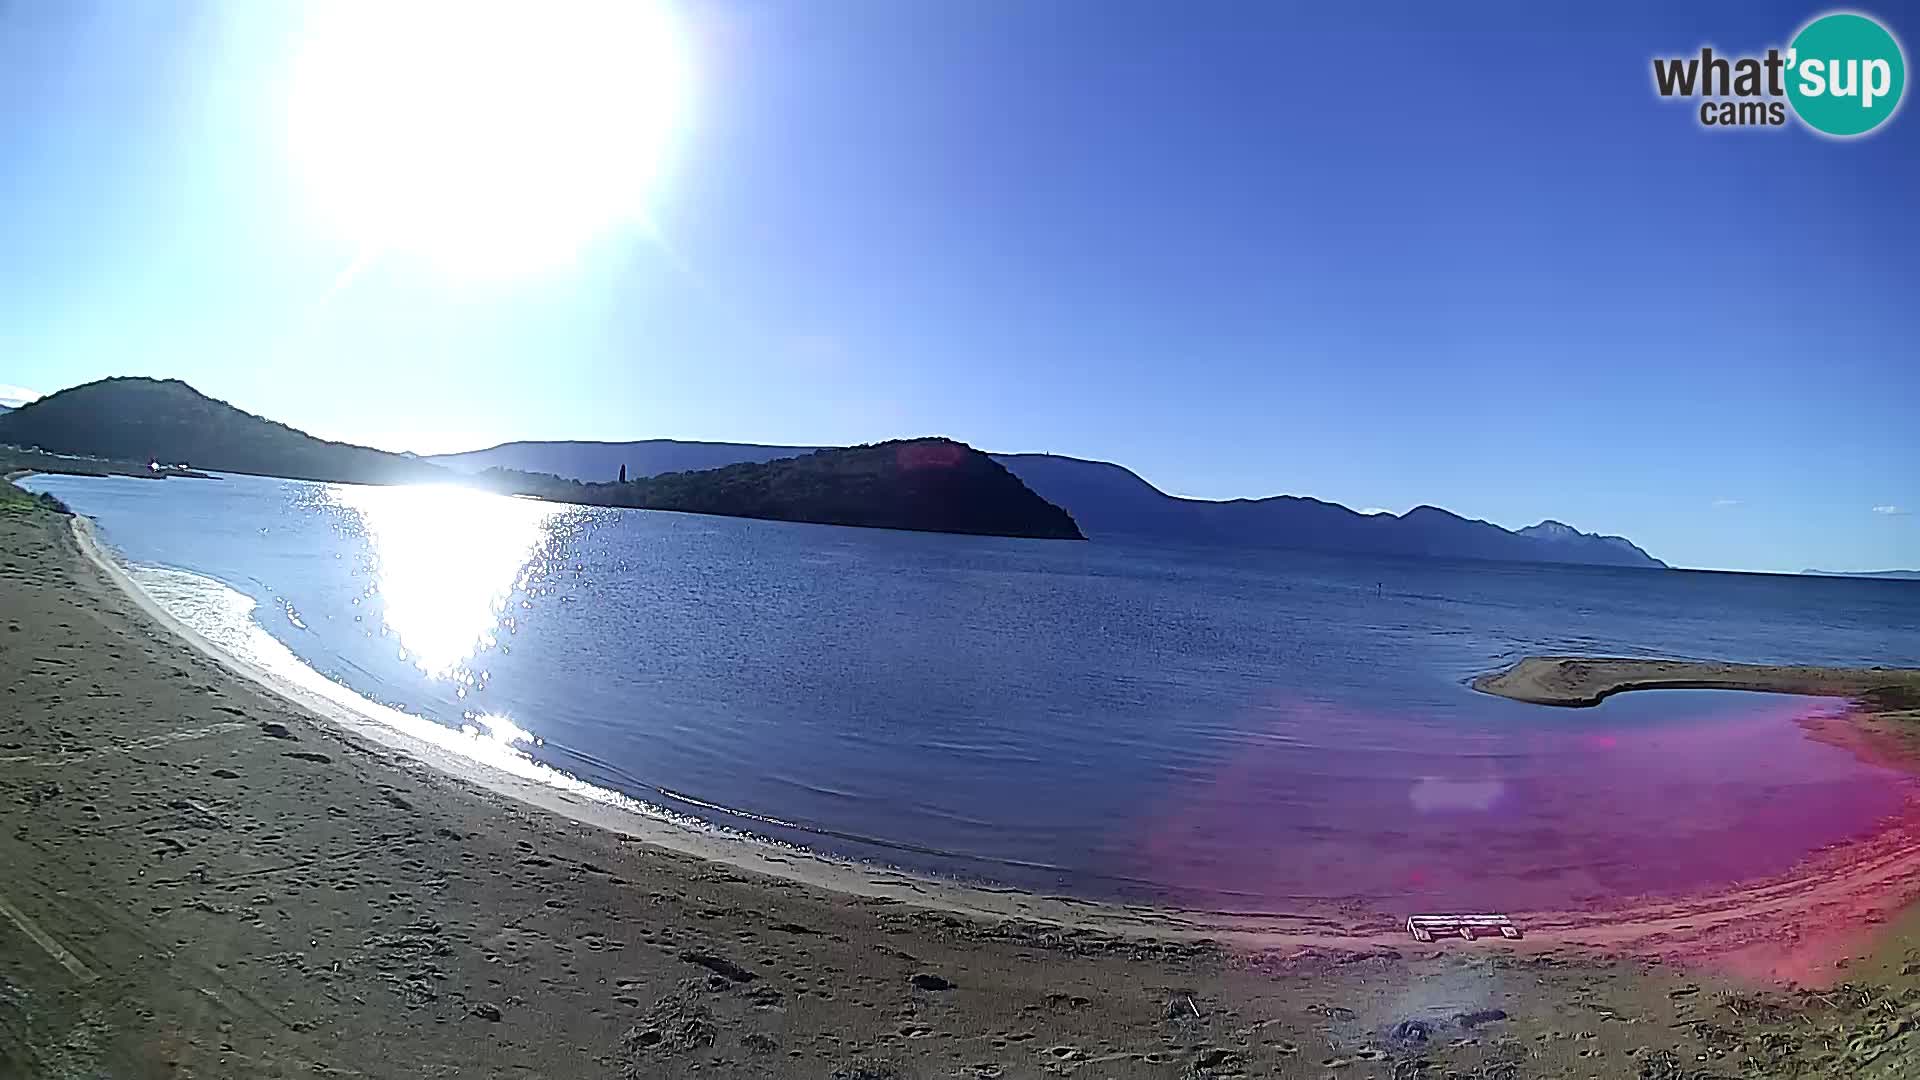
1108 500
138 419
1894 575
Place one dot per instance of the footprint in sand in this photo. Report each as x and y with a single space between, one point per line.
1215 1057
759 1044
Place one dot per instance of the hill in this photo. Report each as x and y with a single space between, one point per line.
892 485
1556 533
139 419
1108 500
929 485
597 462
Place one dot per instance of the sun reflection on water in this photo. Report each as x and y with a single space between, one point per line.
499 729
447 562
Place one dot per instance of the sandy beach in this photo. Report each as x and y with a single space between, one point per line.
206 878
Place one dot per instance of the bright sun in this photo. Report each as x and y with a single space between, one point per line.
485 136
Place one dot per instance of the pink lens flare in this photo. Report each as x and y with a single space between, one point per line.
1398 815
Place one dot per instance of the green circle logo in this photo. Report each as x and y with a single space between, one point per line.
1845 74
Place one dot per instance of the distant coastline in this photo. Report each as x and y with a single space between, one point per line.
1111 502
116 426
119 424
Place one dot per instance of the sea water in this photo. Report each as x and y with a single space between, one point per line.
1221 728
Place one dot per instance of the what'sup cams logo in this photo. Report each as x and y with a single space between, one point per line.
1843 75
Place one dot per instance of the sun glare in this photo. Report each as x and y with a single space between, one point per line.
484 136
447 561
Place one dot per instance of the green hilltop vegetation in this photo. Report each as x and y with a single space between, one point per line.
15 501
935 485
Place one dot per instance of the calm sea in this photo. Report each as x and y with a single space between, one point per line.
1224 729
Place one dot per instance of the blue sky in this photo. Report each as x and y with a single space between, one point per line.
1382 254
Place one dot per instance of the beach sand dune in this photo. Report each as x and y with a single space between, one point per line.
204 879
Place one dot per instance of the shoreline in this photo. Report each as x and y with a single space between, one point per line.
208 878
1583 682
738 851
1681 926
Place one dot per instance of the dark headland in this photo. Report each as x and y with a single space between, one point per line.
1111 502
927 485
937 485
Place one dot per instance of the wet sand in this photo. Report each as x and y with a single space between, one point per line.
208 879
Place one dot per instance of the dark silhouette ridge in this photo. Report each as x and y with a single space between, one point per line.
139 419
928 484
1110 501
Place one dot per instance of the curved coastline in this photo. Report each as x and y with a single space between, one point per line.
1874 875
627 817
